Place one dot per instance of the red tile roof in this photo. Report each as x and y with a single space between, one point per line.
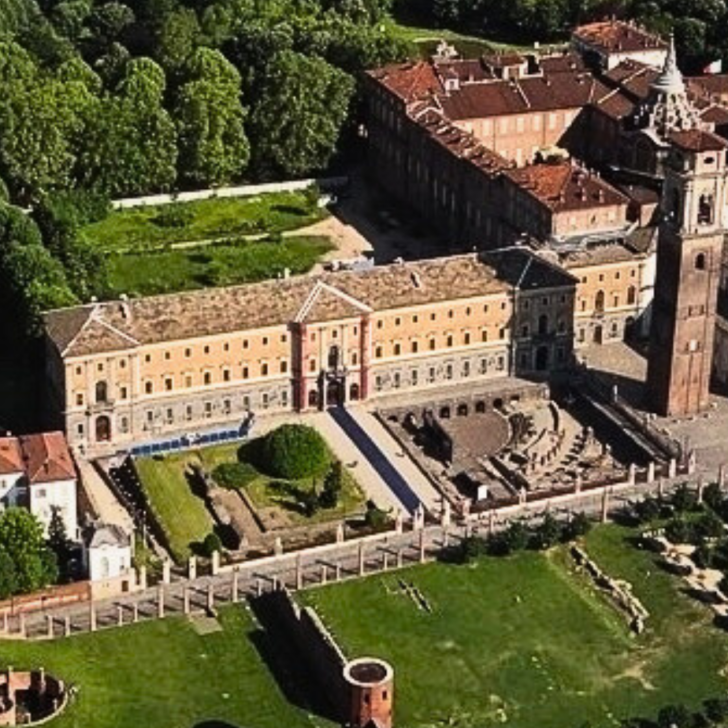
611 36
563 186
409 81
696 140
11 458
46 457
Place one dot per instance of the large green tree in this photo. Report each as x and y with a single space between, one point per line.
132 146
299 117
212 142
21 538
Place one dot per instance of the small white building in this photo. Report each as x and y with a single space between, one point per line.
108 553
37 472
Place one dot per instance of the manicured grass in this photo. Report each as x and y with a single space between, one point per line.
182 514
468 46
141 228
526 641
213 265
163 674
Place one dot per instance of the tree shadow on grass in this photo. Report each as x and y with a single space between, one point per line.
286 664
215 724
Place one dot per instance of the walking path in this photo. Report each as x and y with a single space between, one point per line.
424 491
102 500
357 462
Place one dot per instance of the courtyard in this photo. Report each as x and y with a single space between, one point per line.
269 507
526 641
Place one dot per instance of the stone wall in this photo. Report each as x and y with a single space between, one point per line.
314 643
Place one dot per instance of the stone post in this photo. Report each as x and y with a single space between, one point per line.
67 627
166 571
92 617
446 515
446 536
186 599
399 521
49 621
236 577
340 533
160 601
491 522
337 575
651 471
419 517
142 577
578 484
660 488
721 476
385 560
135 612
192 568
522 496
215 563
672 468
5 620
362 565
692 462
399 558
324 573
422 546
210 598
631 474
701 489
299 571
278 546
119 615
258 586
605 504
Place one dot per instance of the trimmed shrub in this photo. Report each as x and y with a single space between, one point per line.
471 548
548 533
709 525
679 531
375 517
293 452
234 475
684 498
211 544
333 485
578 526
647 510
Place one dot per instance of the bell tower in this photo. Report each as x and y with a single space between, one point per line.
689 252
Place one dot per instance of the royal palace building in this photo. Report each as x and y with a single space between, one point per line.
133 371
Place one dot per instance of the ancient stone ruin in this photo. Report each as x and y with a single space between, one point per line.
30 698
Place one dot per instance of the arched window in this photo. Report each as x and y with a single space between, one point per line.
543 324
313 398
102 392
599 301
700 261
333 357
103 429
705 210
631 295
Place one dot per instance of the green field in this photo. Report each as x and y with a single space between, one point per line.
143 228
527 642
163 674
144 274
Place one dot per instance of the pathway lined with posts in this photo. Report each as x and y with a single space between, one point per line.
379 553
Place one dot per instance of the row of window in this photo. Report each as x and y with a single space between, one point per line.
600 300
415 318
414 345
413 376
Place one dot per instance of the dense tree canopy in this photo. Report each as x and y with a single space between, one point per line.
138 96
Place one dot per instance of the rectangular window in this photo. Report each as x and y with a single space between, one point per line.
208 409
225 375
284 366
226 406
188 412
168 384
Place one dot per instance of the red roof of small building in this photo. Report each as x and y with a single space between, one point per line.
46 457
563 186
11 457
614 36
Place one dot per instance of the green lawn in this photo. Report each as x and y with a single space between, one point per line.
182 514
141 228
526 641
163 674
169 271
469 46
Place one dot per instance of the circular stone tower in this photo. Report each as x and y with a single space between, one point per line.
371 688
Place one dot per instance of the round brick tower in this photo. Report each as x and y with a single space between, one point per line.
371 688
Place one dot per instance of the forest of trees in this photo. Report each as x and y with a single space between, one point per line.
146 95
